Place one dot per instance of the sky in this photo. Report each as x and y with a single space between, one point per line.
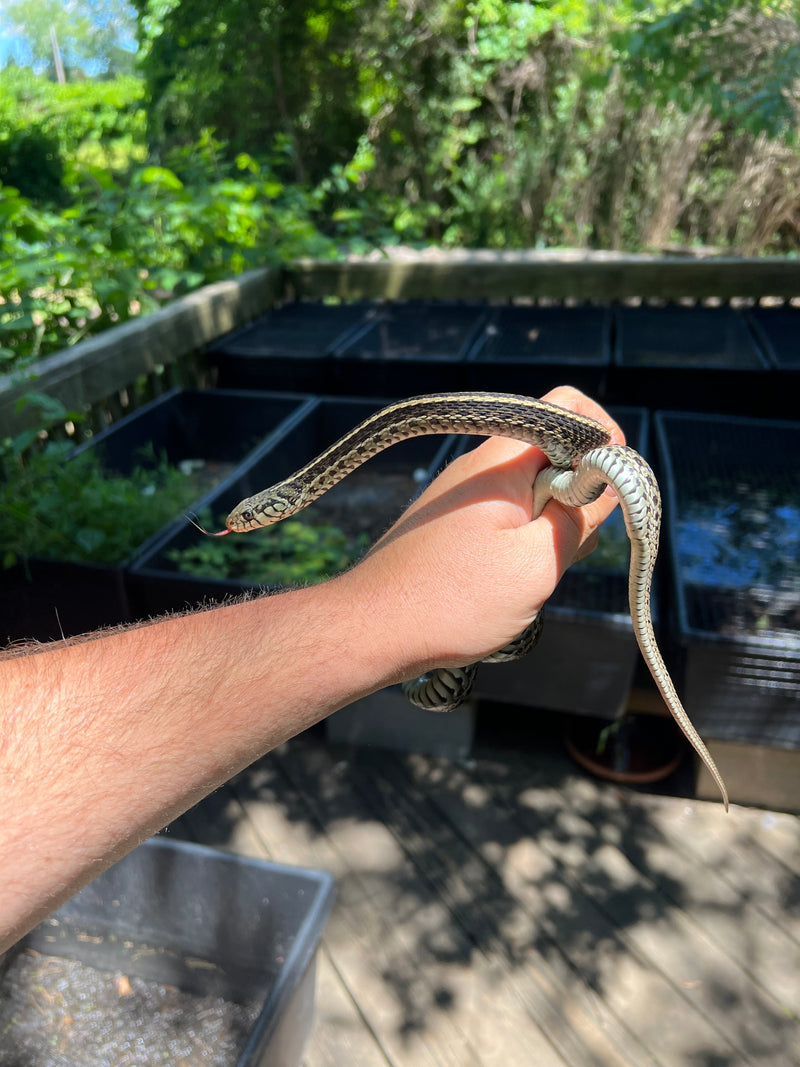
14 46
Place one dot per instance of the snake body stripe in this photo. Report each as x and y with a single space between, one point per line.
562 436
583 463
443 689
446 687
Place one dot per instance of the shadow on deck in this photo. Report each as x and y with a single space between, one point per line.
508 910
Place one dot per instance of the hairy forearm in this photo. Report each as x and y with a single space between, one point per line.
105 741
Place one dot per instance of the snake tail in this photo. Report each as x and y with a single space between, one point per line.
636 487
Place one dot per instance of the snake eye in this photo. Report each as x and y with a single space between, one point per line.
248 515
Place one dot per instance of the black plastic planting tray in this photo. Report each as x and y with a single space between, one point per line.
586 658
407 348
778 330
217 430
532 349
155 581
211 924
732 488
689 358
289 348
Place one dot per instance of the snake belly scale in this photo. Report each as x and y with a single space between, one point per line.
582 464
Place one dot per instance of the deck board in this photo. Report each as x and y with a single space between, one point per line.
366 934
739 856
588 902
509 911
341 1036
672 925
483 903
451 994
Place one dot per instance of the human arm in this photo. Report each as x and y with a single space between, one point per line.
106 740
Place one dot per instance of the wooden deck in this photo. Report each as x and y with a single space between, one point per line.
509 911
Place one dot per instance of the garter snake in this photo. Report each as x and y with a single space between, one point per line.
582 461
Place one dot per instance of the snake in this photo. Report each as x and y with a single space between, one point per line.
582 463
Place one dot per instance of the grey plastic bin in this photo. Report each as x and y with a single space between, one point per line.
170 905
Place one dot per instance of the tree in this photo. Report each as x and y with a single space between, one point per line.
94 36
740 60
257 73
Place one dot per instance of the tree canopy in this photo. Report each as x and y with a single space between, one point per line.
95 37
255 129
480 121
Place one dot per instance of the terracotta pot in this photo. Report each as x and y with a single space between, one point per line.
644 749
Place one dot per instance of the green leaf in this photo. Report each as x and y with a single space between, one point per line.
23 441
89 539
162 177
17 321
465 103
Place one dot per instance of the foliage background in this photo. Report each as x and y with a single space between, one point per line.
250 130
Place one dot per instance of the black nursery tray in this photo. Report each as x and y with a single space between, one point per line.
587 655
367 501
288 348
532 349
778 330
212 431
691 358
407 348
176 951
733 502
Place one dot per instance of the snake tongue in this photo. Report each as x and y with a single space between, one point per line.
193 520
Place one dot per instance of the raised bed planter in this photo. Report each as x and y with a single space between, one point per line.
587 655
733 507
157 584
689 358
174 914
532 349
777 331
43 599
409 348
288 348
213 431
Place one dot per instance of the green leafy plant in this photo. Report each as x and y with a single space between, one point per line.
484 123
30 161
608 734
125 247
72 509
288 554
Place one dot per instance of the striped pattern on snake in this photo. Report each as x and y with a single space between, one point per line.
583 463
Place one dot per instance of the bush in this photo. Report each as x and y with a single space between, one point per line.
55 507
127 246
292 553
96 122
30 161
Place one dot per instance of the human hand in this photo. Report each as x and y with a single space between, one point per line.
464 570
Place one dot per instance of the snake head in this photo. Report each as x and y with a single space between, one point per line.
276 503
